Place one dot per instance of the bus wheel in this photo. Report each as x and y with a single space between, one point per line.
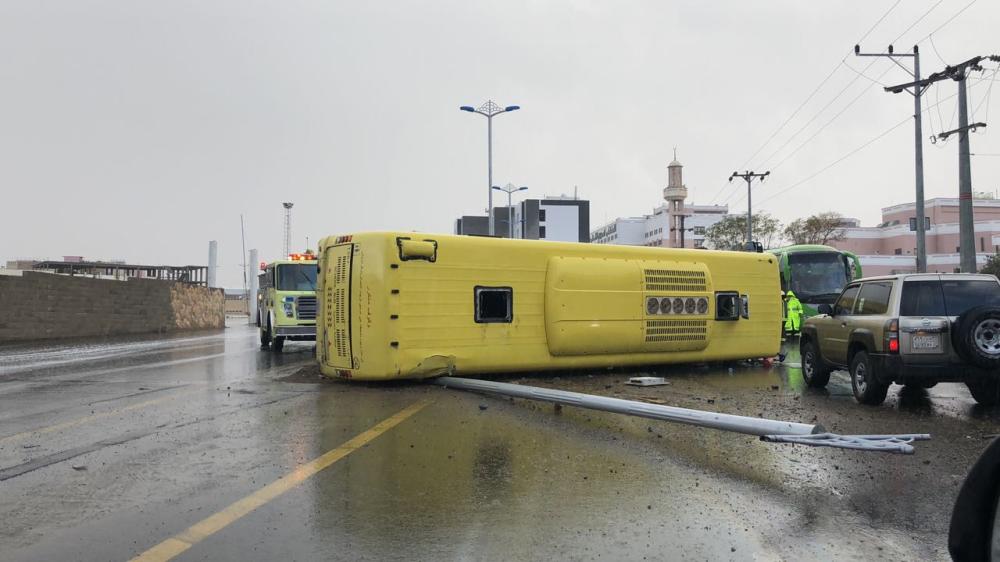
277 344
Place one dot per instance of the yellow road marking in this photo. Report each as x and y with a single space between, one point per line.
93 417
201 530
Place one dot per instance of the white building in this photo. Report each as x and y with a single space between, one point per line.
561 218
673 224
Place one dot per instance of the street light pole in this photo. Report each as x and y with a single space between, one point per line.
509 189
490 110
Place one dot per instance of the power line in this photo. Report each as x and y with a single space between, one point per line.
812 94
947 21
863 75
920 19
860 74
825 125
845 156
986 97
936 53
838 160
816 116
822 127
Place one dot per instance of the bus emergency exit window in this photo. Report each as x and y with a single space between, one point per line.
494 305
727 306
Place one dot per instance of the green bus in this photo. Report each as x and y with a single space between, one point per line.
816 273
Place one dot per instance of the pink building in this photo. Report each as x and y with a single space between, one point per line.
891 246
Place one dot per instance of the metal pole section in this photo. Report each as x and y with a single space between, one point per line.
713 420
919 166
749 218
489 160
213 263
510 214
252 297
243 237
966 227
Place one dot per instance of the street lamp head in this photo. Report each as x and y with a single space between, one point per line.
468 108
512 108
497 188
522 188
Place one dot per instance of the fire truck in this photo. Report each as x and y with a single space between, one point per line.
286 301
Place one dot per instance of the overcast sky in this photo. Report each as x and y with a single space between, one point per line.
140 130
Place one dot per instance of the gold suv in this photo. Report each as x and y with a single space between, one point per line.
918 328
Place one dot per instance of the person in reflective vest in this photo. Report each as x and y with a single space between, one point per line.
793 319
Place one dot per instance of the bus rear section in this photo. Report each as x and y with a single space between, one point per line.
816 273
404 305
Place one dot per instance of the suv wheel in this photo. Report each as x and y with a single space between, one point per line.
814 371
985 391
977 336
868 389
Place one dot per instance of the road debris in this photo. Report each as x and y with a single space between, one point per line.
647 381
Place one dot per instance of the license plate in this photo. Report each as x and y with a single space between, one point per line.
932 341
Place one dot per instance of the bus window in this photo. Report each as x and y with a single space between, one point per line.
494 305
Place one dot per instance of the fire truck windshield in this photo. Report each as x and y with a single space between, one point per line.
297 277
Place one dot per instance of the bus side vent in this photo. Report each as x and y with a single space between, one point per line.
340 342
340 306
676 330
336 311
674 280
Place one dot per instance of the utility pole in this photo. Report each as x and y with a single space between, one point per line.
966 226
966 219
748 176
918 137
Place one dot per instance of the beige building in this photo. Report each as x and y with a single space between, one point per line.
891 246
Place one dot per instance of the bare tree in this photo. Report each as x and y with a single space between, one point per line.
730 232
817 229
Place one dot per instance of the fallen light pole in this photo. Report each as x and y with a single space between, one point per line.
773 431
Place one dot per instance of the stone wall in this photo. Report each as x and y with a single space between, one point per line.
37 306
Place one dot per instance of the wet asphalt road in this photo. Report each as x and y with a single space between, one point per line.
108 450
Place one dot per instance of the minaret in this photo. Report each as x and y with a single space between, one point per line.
675 193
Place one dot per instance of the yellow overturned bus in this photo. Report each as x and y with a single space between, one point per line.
403 305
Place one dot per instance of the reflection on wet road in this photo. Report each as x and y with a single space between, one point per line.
109 450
